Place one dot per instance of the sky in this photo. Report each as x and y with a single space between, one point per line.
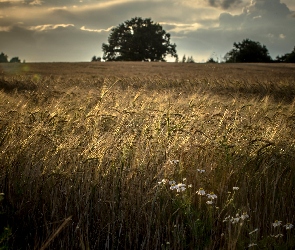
74 30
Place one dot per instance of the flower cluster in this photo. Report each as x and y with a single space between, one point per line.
278 223
288 226
210 196
180 187
237 219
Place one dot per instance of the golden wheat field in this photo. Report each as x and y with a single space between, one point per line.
147 156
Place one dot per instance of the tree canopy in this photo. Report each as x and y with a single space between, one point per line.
138 40
248 51
15 60
289 57
3 58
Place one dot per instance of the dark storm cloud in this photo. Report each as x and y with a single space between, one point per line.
266 14
225 4
266 21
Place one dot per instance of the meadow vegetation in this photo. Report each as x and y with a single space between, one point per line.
147 156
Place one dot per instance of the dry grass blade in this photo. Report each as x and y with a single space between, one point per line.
51 238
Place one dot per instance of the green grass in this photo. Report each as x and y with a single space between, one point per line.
83 159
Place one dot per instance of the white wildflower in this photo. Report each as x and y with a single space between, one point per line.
277 223
226 219
209 202
244 216
180 187
174 161
184 179
201 170
172 183
288 226
163 181
212 196
201 191
190 185
235 220
236 188
252 245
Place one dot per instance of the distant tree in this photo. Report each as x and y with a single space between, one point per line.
3 58
183 59
176 59
138 40
211 60
14 60
190 60
96 59
288 58
248 51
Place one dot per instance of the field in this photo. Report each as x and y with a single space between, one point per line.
147 156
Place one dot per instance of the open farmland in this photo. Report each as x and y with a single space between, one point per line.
147 156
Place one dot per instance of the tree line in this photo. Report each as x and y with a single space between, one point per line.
143 40
4 59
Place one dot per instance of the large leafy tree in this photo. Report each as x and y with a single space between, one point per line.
137 40
248 51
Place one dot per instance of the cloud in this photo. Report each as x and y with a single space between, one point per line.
45 27
36 2
225 4
96 30
181 27
5 28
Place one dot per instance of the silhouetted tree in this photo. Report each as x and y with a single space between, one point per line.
211 60
288 58
14 60
3 58
138 40
96 59
190 60
248 51
183 59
